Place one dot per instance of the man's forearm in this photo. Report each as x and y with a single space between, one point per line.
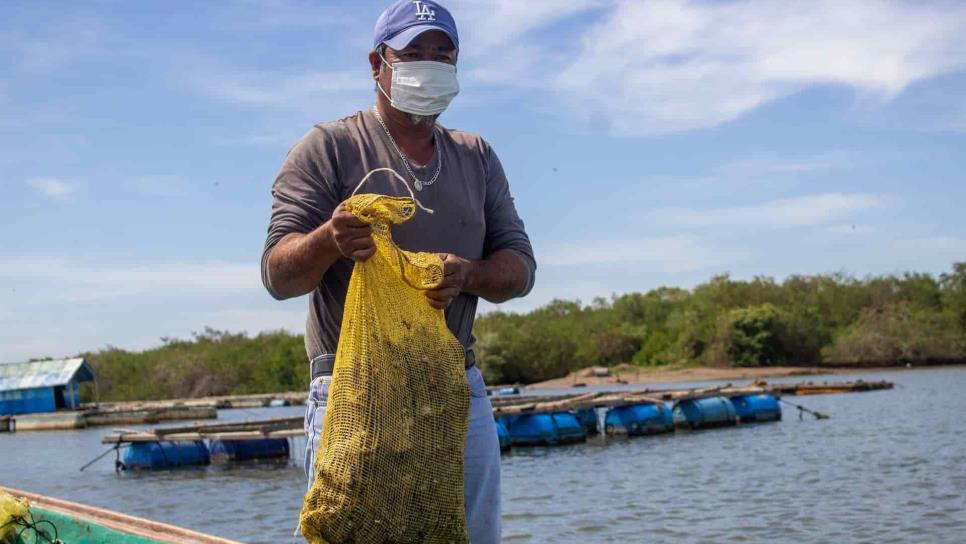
298 262
499 277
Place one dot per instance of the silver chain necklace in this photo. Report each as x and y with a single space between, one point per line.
417 183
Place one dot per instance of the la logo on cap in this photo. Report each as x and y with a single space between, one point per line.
424 12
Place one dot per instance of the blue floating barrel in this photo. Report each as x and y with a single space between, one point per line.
588 418
705 413
762 407
545 429
508 420
639 419
514 390
503 434
151 455
244 450
569 428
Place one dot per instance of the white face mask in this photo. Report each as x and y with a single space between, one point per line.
422 87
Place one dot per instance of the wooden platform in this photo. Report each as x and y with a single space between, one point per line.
80 419
297 398
223 402
825 388
244 430
577 401
292 426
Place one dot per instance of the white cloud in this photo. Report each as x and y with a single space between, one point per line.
493 42
771 165
33 329
667 254
515 68
802 211
307 90
272 15
53 187
79 281
253 321
54 45
763 174
491 23
653 67
544 291
23 349
949 247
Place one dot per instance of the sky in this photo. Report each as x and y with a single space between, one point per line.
647 143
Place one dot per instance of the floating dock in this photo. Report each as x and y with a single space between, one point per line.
141 412
285 427
519 404
500 394
90 417
201 444
223 402
653 411
521 421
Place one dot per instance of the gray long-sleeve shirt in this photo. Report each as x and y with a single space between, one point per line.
474 214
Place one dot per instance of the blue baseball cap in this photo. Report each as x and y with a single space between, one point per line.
401 22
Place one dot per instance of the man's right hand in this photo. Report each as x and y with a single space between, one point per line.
352 237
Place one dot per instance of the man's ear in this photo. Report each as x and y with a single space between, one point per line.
375 63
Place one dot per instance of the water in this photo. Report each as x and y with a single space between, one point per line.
890 466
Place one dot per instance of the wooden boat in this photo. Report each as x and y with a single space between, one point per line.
81 524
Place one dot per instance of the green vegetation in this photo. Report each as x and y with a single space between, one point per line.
213 363
805 320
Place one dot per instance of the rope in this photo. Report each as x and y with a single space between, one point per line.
803 410
118 464
400 178
29 523
163 453
101 456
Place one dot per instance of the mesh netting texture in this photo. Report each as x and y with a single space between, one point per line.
389 466
12 512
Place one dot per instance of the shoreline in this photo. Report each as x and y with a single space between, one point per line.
630 375
619 375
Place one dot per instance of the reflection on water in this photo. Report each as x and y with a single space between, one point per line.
888 467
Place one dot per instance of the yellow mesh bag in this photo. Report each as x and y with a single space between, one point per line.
11 509
389 467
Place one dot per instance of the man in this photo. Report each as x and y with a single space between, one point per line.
312 241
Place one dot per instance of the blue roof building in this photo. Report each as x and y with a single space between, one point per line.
42 386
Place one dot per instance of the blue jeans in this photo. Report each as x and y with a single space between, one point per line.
481 457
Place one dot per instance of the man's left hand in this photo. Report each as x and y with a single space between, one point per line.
456 272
